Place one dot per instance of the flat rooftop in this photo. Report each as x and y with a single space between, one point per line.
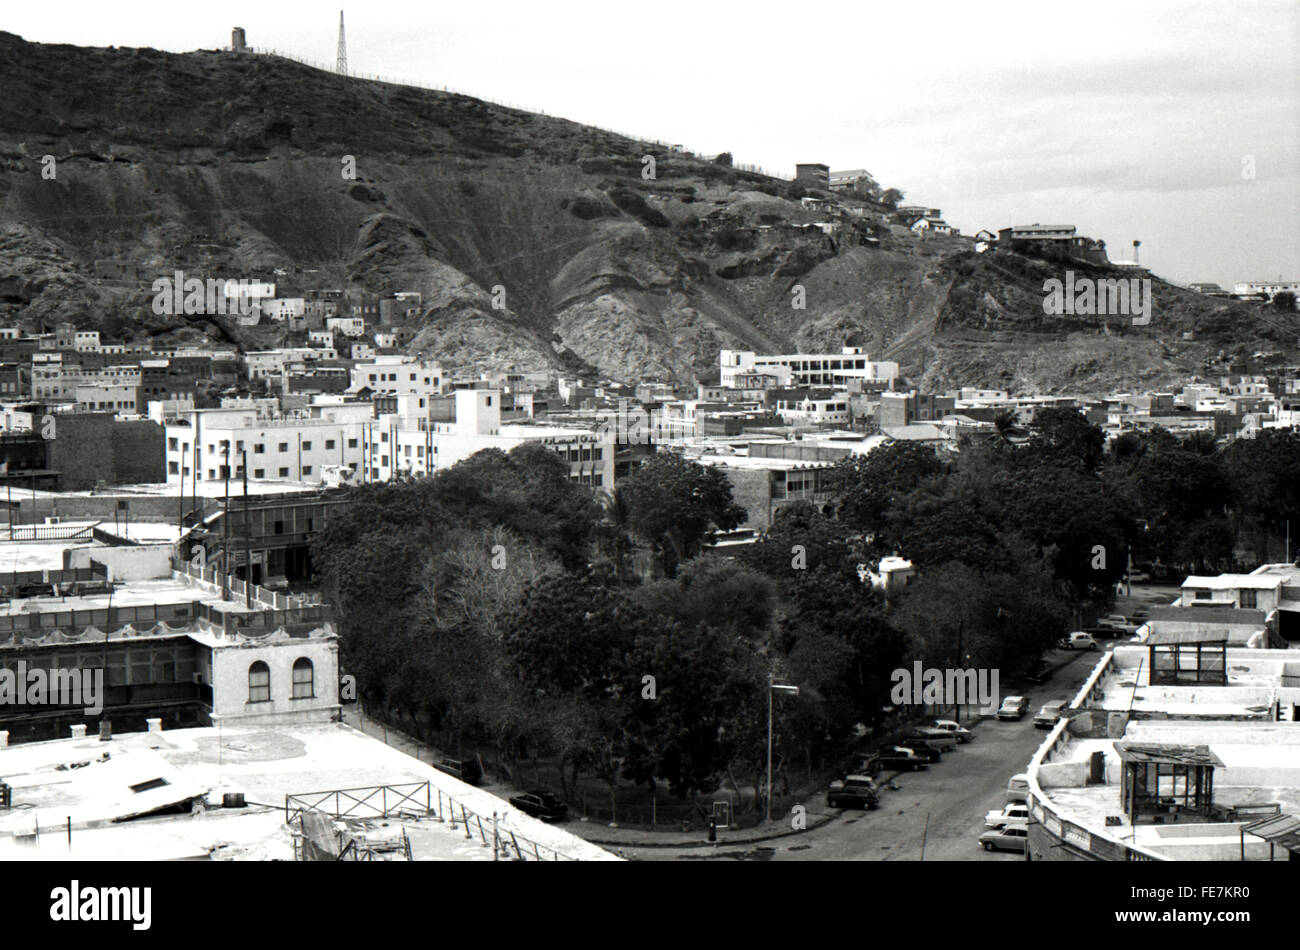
141 593
91 786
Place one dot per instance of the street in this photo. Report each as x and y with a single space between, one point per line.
953 794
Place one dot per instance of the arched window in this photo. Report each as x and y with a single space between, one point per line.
304 682
259 683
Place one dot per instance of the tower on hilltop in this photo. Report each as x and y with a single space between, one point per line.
343 49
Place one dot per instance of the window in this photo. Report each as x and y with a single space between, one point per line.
306 446
259 473
352 443
306 469
173 468
329 444
259 683
304 686
1248 599
284 473
172 444
259 448
284 446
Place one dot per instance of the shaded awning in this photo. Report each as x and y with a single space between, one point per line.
1283 830
1167 754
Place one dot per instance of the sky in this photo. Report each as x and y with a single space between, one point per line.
1172 122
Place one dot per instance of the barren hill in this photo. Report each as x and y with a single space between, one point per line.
233 166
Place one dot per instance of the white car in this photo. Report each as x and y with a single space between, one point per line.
1013 707
1010 837
957 729
1079 641
1051 712
1016 811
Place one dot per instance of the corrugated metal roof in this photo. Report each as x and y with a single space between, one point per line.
1167 754
1282 830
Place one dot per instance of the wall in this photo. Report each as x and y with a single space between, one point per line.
93 447
230 666
127 563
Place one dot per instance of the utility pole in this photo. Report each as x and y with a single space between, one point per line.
248 530
772 688
225 542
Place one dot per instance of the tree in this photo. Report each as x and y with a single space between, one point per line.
870 487
890 198
724 159
1284 300
1065 435
673 502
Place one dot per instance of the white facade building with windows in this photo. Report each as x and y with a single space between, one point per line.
409 443
809 369
292 446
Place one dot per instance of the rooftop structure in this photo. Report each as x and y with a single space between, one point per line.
1171 751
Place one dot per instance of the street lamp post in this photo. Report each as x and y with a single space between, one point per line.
771 688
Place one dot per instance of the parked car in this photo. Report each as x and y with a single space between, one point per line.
854 791
1037 672
467 770
1018 788
900 759
864 763
1013 707
1050 714
1139 577
1010 837
1079 640
541 805
922 748
941 739
1117 622
1017 811
957 729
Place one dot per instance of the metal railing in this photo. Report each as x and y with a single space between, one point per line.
416 800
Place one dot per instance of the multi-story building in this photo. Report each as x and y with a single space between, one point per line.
808 369
400 375
813 175
287 446
1268 288
415 441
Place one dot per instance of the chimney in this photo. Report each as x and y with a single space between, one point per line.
105 731
79 731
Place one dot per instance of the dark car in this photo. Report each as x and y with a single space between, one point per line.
900 759
467 770
1037 673
855 791
864 763
541 805
922 748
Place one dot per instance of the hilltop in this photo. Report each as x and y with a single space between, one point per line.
231 166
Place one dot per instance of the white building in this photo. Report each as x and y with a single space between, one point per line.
401 376
408 442
291 446
283 308
1272 288
809 369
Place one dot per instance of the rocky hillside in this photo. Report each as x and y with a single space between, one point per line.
235 166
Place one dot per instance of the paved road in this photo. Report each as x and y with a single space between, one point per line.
954 793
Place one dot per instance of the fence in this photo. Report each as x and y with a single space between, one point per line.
675 148
413 800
